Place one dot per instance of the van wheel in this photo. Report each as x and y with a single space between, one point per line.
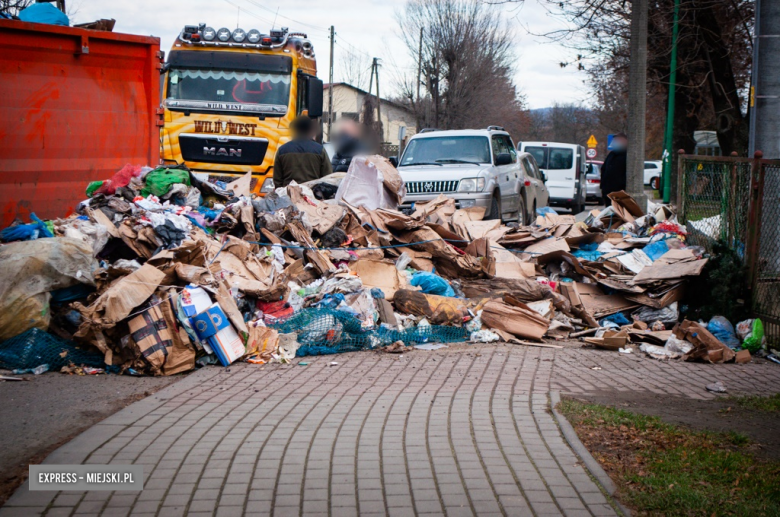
576 208
654 183
495 207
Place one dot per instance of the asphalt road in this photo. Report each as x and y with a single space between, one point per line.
44 411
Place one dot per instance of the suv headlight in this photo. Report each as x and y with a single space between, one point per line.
268 186
471 185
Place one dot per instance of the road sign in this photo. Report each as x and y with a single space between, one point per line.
592 141
591 153
609 142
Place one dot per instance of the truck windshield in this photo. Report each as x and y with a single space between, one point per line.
451 149
552 158
209 89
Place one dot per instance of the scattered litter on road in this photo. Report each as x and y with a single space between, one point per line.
159 272
716 387
430 346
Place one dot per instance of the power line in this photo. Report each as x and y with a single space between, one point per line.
250 13
287 17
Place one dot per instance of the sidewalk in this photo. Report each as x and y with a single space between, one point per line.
460 431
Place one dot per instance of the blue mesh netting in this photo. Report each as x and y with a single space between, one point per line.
35 347
328 331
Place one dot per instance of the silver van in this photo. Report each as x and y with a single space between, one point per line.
476 167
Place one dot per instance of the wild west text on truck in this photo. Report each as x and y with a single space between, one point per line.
229 98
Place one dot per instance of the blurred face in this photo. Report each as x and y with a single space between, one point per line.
619 144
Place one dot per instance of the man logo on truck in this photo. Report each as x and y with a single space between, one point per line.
213 151
224 127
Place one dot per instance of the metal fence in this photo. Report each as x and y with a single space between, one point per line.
737 201
714 199
765 265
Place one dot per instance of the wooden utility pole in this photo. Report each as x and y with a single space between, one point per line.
378 101
419 65
330 80
637 103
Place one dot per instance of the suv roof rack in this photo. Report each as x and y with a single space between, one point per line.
495 128
428 130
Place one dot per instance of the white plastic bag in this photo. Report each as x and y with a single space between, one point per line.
371 182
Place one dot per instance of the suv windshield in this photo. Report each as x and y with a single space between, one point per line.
552 158
258 92
447 149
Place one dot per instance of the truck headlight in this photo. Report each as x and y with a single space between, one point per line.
471 185
268 186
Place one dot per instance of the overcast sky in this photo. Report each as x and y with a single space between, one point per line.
363 26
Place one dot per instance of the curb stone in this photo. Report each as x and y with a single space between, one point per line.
579 449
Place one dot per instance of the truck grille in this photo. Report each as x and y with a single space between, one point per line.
431 187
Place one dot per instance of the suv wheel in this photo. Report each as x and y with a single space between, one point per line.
495 207
522 215
654 183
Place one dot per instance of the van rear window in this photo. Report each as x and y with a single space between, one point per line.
552 158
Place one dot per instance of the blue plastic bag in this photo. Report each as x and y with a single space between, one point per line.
431 283
618 318
592 256
26 232
722 329
545 210
44 13
655 249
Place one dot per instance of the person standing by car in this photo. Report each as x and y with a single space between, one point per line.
301 159
613 172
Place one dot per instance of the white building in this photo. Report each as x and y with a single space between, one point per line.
348 103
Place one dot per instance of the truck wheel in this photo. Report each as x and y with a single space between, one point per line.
495 207
654 184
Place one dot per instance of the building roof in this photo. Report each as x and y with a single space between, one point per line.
386 101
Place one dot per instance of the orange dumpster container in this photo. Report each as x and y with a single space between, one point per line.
76 105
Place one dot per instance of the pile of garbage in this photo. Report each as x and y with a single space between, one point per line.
160 270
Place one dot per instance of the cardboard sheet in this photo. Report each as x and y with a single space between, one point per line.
242 186
381 274
548 246
670 271
625 206
520 321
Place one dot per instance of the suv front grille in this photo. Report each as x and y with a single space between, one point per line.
431 187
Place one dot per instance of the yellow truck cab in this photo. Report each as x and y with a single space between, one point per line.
229 98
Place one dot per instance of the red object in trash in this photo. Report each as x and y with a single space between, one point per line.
275 311
120 179
77 105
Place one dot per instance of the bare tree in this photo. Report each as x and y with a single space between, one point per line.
714 56
12 7
466 63
354 68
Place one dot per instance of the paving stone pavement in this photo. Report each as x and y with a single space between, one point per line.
461 431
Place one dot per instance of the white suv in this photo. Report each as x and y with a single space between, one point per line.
476 167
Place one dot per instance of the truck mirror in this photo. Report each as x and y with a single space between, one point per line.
393 161
314 97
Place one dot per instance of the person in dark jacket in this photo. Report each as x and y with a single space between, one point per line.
613 172
301 159
348 143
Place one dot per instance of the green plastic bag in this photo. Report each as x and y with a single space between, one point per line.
160 181
93 186
755 340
